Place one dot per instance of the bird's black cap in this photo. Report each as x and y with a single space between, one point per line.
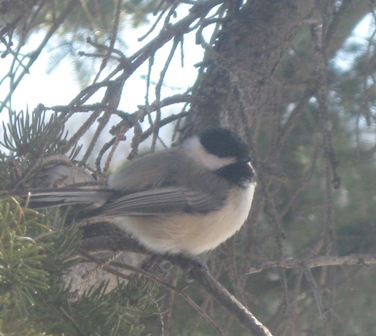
224 143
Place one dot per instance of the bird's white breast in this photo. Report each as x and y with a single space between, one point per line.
188 233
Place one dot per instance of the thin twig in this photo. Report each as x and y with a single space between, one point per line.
114 34
69 7
324 261
118 138
158 89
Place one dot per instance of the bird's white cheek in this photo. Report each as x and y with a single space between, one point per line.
197 152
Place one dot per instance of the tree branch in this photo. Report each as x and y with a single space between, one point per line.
197 271
324 261
230 302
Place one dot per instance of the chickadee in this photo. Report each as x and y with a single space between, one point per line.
188 199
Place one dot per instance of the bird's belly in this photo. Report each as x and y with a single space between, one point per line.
192 234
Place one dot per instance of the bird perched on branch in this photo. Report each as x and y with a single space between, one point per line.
188 199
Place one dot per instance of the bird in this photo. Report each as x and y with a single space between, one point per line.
184 200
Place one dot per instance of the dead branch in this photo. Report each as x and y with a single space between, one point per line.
324 261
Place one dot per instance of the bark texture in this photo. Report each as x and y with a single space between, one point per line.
249 48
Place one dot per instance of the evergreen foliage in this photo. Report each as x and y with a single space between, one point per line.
37 251
28 138
30 134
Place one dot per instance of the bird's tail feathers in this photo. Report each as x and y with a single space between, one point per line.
48 198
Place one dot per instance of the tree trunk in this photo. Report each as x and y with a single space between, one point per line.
235 87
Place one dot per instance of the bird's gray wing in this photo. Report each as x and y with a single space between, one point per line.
159 201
